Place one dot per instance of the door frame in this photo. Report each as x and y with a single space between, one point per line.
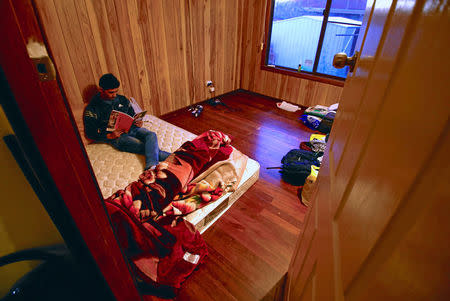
45 127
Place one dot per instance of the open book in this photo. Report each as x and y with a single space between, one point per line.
122 121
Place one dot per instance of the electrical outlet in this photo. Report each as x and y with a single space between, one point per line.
209 83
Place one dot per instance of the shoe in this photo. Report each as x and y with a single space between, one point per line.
197 110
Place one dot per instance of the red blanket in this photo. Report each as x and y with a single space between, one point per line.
165 249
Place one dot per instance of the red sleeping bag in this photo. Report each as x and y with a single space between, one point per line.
164 250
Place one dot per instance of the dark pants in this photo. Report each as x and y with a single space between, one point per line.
141 141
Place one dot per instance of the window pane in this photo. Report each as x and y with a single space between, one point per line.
341 34
295 33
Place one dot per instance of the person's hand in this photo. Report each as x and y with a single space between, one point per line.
115 134
138 123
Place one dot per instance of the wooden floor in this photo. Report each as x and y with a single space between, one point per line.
251 245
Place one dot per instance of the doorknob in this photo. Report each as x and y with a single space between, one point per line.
341 60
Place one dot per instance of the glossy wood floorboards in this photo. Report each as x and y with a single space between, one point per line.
251 245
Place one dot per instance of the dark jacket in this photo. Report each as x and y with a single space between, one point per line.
96 115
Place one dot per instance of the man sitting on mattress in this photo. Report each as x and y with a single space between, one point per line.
137 140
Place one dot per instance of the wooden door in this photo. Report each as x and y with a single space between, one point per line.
378 228
46 130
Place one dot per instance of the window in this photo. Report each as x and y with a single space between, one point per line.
305 34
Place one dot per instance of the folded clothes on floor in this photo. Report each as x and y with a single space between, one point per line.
312 122
330 115
287 106
318 110
318 137
325 126
333 107
320 117
314 146
321 111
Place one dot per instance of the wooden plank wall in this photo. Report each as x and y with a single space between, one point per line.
296 90
163 51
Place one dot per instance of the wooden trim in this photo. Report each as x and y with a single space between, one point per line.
314 77
182 110
267 97
327 79
51 127
326 14
267 32
178 111
277 292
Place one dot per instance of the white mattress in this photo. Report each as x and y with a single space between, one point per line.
114 170
206 216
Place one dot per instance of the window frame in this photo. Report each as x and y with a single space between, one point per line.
314 75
